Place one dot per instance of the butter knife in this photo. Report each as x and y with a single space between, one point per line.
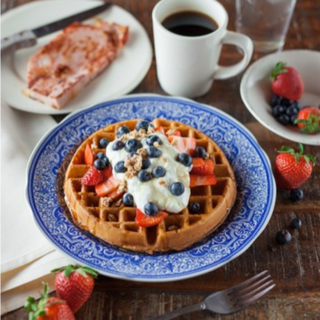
28 38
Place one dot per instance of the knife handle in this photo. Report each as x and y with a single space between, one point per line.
17 41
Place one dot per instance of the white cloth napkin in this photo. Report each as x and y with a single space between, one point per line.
27 257
21 241
25 281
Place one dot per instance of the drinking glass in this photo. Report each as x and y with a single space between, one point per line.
266 22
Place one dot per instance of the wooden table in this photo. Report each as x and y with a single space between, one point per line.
295 267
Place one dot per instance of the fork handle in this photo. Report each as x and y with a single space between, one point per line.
179 312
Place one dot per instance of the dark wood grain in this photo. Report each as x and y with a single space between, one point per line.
295 267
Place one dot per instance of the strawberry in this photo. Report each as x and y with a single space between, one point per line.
88 156
104 188
183 144
143 220
292 169
92 177
286 82
201 166
202 180
74 284
308 120
173 132
48 308
160 129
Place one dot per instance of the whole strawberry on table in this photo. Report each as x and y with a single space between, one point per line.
48 308
74 285
292 168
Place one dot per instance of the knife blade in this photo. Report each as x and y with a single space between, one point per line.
28 38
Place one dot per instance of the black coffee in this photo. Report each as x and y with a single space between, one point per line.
190 24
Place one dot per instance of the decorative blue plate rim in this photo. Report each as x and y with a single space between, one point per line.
249 217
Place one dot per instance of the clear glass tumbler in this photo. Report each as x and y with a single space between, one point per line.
266 22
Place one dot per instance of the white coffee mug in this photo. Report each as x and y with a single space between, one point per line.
187 66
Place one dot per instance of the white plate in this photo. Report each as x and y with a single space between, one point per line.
123 75
256 91
256 190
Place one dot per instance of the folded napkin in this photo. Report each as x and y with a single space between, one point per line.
21 241
26 255
25 281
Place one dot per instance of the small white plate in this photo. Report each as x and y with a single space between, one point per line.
122 76
256 90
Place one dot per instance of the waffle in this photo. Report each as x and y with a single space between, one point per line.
116 224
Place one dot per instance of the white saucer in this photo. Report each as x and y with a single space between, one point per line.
256 91
122 76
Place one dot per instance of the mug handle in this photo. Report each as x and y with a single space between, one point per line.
241 41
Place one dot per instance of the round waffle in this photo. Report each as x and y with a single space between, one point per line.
116 224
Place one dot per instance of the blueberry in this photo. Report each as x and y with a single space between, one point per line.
158 172
185 159
102 156
275 100
150 209
283 236
127 199
99 164
177 188
278 110
296 194
143 124
122 130
103 143
194 207
200 152
145 163
284 119
117 145
119 167
292 110
152 139
286 102
133 145
296 223
144 176
153 152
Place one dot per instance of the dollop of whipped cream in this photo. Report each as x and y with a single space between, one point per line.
156 190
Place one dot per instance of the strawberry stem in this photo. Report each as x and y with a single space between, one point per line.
297 156
311 124
84 271
279 68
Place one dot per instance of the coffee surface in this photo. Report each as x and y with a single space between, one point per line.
190 24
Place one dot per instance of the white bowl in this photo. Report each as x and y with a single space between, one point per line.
256 91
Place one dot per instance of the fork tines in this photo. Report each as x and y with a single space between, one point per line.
252 289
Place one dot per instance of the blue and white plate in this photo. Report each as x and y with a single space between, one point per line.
250 215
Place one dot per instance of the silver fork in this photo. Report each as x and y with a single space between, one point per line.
230 300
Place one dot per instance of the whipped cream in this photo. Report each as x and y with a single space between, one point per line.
155 190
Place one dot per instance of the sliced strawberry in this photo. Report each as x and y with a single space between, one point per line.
92 177
202 180
201 166
88 156
173 132
107 172
143 220
160 129
183 144
106 187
